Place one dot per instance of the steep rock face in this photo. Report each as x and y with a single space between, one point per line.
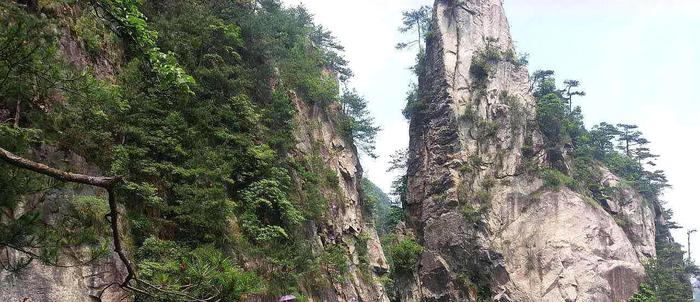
489 227
345 223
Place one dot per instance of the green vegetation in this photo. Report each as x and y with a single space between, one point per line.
554 180
197 116
484 61
399 163
475 205
645 294
417 20
357 122
387 213
132 25
363 254
476 285
204 268
404 256
335 261
667 275
413 102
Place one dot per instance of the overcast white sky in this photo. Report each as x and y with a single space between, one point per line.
638 60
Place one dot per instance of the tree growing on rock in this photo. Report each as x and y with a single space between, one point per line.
569 94
357 121
418 21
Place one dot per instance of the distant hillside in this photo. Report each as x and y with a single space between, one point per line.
387 212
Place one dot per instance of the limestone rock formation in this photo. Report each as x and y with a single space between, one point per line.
345 223
489 227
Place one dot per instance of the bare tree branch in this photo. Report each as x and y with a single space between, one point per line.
97 181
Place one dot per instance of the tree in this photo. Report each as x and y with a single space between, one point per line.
399 164
667 275
568 94
417 20
541 81
645 294
601 139
325 40
357 121
628 137
29 68
192 160
413 102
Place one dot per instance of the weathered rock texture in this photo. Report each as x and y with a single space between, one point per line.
489 228
346 223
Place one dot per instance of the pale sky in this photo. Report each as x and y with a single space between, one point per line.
638 61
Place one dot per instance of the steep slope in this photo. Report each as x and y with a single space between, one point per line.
240 180
347 223
490 226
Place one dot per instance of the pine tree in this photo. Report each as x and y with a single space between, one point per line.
417 20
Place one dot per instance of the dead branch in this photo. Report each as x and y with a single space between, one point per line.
21 162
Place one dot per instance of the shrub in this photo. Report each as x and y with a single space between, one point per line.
645 294
202 271
488 183
470 213
335 261
554 179
363 253
480 69
404 256
475 214
487 128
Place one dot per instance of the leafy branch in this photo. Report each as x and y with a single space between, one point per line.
131 23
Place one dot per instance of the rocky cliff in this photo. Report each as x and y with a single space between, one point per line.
490 227
345 259
346 223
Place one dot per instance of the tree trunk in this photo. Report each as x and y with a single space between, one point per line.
18 108
420 45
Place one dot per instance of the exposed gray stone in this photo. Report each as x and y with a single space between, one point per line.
345 222
480 217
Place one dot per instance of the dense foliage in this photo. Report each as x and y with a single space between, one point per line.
357 122
197 114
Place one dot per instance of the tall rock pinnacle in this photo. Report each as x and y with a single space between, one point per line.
489 227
